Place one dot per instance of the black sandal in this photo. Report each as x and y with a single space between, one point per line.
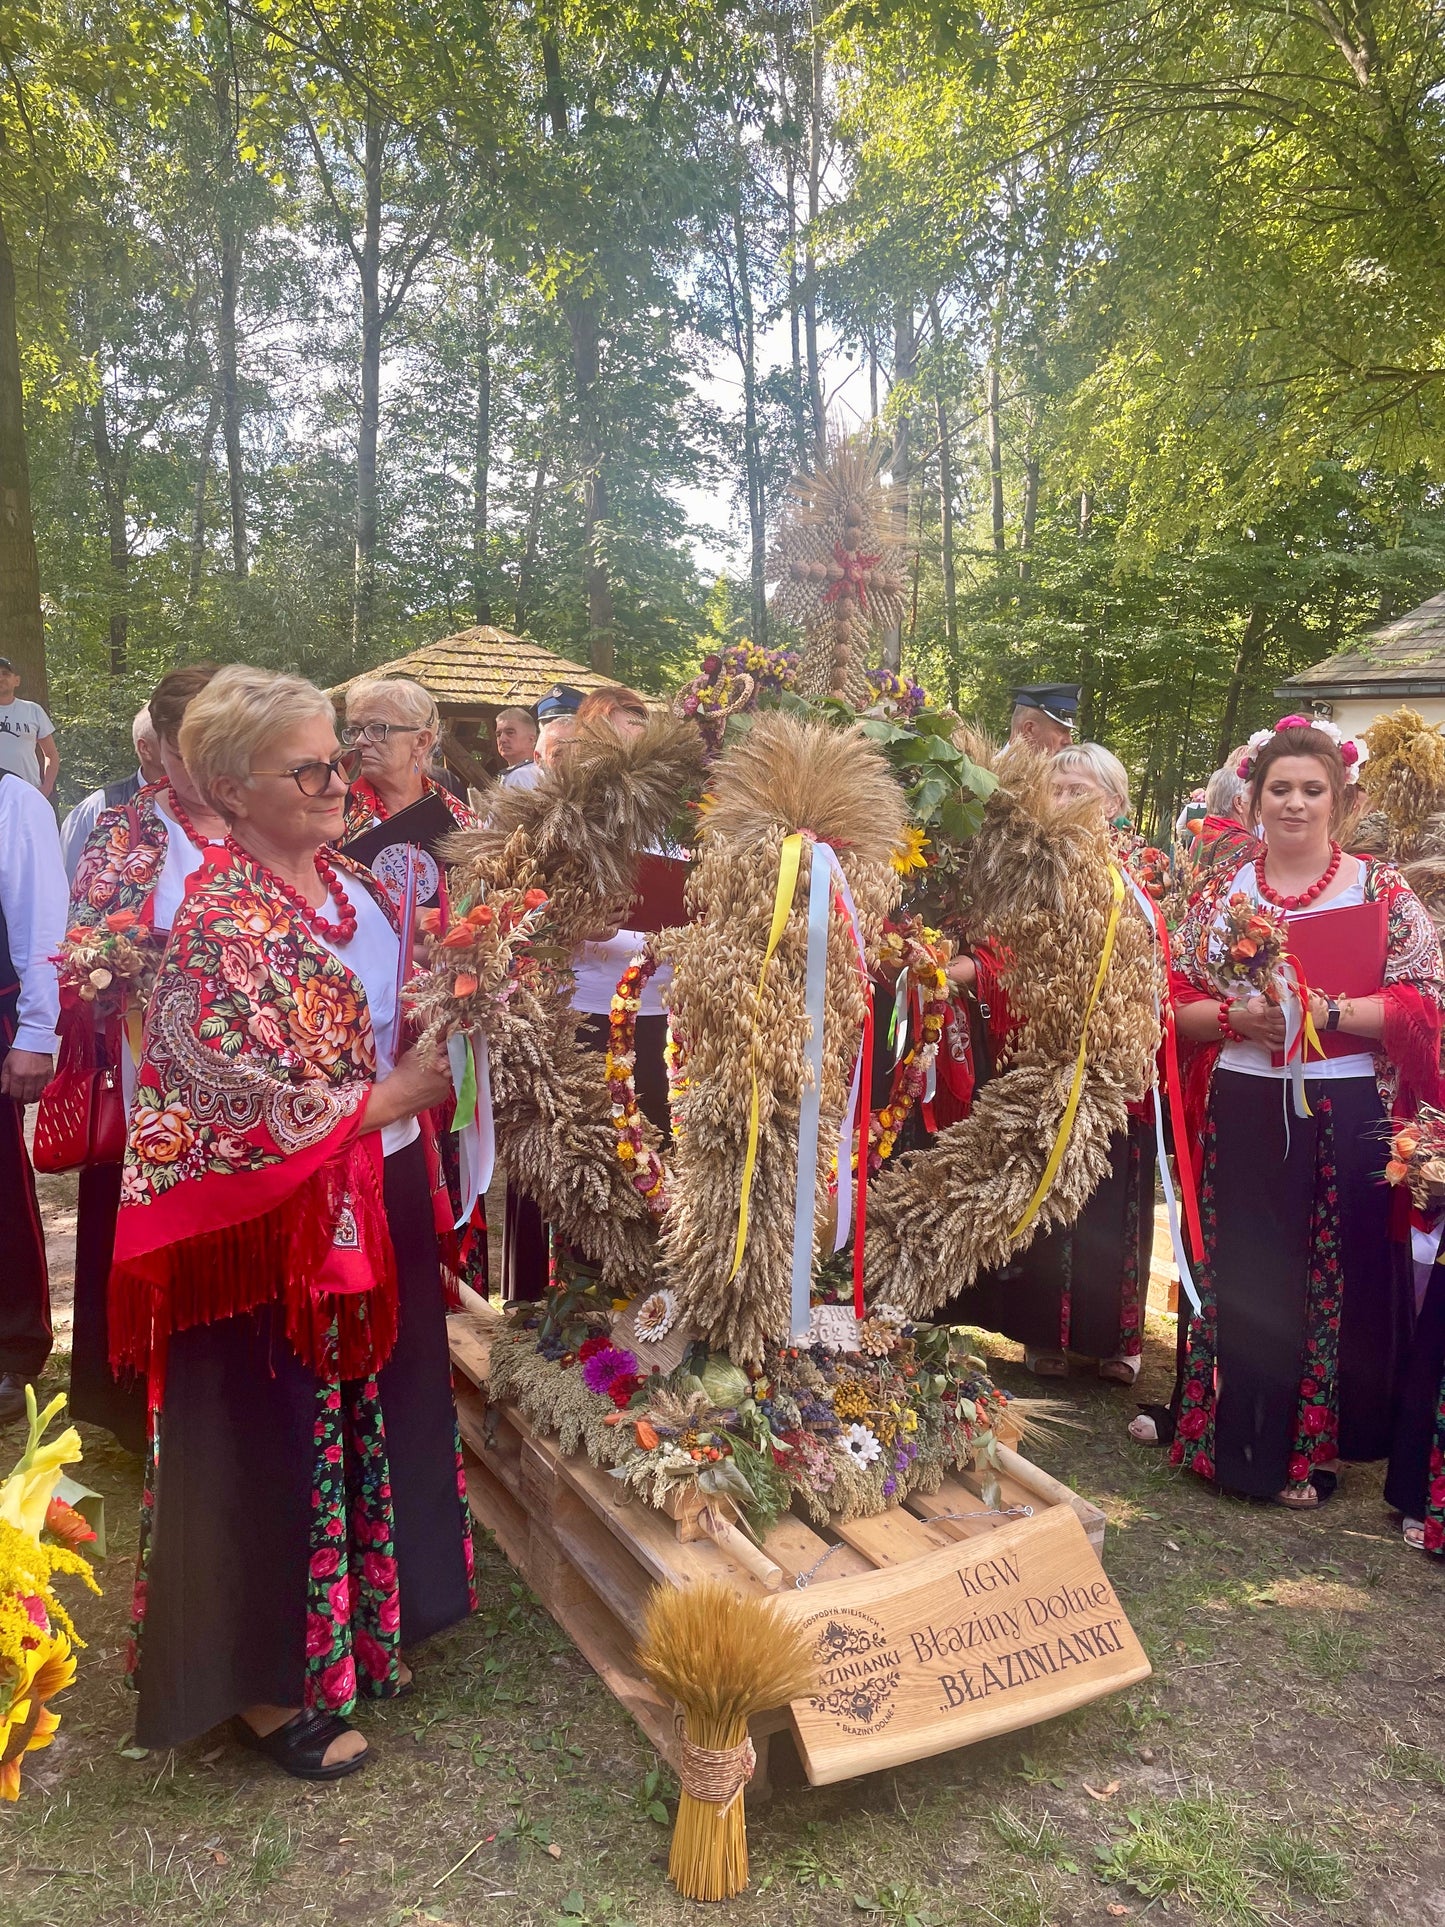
299 1747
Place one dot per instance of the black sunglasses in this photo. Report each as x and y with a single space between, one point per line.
377 733
313 779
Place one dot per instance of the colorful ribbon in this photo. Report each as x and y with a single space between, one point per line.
790 858
1076 1086
815 975
472 1119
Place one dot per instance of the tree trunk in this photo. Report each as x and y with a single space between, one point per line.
817 406
905 363
111 470
1086 513
993 442
228 252
198 510
363 600
945 508
1030 515
1246 665
529 548
582 320
740 310
230 275
482 456
22 631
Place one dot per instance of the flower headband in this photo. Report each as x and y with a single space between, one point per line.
1353 752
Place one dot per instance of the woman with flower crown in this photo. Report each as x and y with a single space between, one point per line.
276 1271
1293 1359
130 880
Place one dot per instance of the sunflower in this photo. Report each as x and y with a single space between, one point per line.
908 856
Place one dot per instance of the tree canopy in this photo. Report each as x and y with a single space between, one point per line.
334 326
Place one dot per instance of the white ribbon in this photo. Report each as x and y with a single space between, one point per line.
476 1135
1166 1176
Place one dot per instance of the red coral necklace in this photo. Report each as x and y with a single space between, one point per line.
178 812
1316 889
341 931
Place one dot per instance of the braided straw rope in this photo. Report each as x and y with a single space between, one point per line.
715 1777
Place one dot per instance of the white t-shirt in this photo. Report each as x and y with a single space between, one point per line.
183 859
1254 1059
33 903
596 968
371 955
22 725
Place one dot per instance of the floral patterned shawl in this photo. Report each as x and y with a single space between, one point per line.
1407 1057
122 861
247 1178
365 808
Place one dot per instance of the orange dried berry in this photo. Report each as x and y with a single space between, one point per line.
646 1435
465 984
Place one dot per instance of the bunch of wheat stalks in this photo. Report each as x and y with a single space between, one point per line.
1037 884
783 776
578 835
722 1656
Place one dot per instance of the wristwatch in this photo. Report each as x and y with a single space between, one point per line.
1332 1014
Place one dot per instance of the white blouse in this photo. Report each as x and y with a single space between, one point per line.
371 957
1254 1059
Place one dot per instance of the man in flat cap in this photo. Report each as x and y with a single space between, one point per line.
1043 715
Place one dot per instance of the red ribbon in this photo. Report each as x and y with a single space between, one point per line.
1174 1091
865 1116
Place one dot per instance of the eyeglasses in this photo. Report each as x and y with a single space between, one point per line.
314 779
377 733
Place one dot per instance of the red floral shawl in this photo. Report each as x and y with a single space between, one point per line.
365 808
247 1177
122 861
1407 1057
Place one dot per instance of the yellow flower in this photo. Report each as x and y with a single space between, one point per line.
29 1724
28 1491
909 853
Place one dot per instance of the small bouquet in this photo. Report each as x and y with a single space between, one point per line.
1417 1158
1244 954
474 957
896 695
110 962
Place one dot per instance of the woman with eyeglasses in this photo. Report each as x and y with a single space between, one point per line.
135 867
276 1272
394 722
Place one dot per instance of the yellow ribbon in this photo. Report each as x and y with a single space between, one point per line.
1076 1088
788 864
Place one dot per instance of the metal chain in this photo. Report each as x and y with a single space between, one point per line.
805 1578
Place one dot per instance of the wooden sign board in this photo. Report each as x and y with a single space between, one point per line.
983 1636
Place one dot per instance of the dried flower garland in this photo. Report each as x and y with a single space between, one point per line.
109 963
474 959
1242 952
1417 1158
643 1165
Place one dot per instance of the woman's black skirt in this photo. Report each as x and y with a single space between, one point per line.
97 1397
1415 1482
1081 1288
1307 1305
297 1531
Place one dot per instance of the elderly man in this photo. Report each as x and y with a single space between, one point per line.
149 769
557 724
32 924
516 738
1044 715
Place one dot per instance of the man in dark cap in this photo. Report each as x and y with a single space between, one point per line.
556 724
1043 715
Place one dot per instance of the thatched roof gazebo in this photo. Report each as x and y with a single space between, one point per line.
472 675
1401 662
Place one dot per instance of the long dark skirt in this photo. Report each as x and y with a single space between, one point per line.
1415 1482
297 1531
96 1396
1082 1288
524 1229
1307 1305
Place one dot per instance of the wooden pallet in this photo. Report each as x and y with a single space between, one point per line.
593 1554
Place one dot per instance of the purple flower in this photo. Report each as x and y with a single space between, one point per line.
599 1371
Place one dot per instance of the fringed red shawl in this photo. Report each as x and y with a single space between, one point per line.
122 861
248 1180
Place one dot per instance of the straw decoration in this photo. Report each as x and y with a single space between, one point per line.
722 1656
1036 882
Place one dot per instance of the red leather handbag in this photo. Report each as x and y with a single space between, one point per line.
80 1120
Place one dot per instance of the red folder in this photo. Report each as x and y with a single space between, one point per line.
658 904
1340 953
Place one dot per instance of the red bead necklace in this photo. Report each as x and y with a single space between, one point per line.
341 931
178 812
1316 889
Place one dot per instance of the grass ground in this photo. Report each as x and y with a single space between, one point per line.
1286 1762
